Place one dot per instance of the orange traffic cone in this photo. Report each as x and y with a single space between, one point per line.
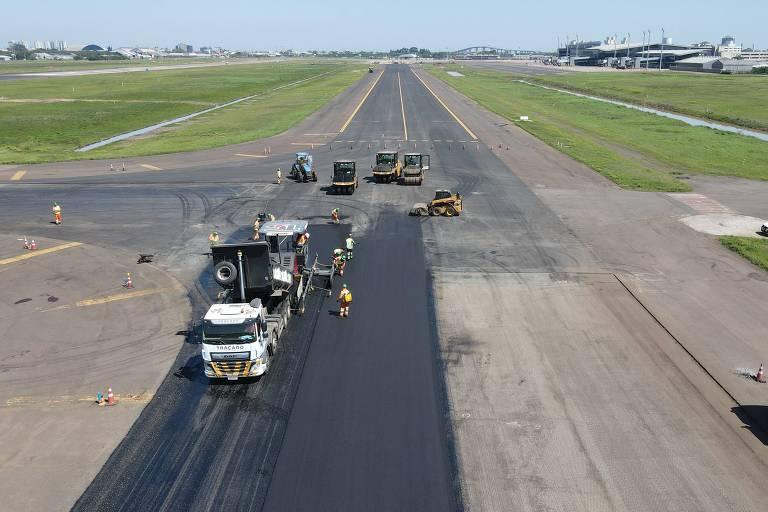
110 397
33 245
760 377
128 281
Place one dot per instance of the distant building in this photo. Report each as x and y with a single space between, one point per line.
92 48
611 52
183 48
127 52
713 65
728 48
761 56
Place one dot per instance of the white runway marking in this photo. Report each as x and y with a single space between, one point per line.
700 203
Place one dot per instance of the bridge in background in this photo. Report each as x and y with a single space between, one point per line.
491 52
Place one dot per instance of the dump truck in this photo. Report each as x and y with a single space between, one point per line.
344 180
264 283
388 167
445 203
302 169
414 165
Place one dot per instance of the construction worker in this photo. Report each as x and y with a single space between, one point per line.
350 246
302 240
213 238
339 261
56 213
279 175
335 215
256 226
345 298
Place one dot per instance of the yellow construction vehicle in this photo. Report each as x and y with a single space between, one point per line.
388 167
344 177
445 203
414 165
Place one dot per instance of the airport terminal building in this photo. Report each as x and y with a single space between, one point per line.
626 54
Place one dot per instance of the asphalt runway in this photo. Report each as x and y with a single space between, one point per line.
354 409
441 366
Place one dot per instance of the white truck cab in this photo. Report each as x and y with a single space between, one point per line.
236 342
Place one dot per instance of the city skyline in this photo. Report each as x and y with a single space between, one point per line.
241 25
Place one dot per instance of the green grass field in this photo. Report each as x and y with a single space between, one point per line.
47 120
753 249
636 150
734 99
42 66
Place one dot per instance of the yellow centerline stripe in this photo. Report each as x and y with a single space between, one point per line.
446 107
122 296
40 252
361 103
402 106
18 175
150 167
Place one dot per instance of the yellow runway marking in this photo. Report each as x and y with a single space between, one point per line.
361 103
446 108
250 156
150 167
39 252
18 175
121 296
402 106
307 143
21 401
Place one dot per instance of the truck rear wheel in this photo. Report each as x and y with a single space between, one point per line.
273 345
302 308
224 273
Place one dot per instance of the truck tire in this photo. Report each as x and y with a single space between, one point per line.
302 308
273 343
224 273
438 210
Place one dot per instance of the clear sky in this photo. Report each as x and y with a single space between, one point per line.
381 25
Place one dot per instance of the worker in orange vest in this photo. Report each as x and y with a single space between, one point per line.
56 213
335 215
345 298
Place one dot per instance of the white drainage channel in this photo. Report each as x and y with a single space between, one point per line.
148 129
688 120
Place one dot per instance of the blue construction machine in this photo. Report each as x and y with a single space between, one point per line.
302 170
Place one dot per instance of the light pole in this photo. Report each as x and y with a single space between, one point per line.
661 55
629 36
649 50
